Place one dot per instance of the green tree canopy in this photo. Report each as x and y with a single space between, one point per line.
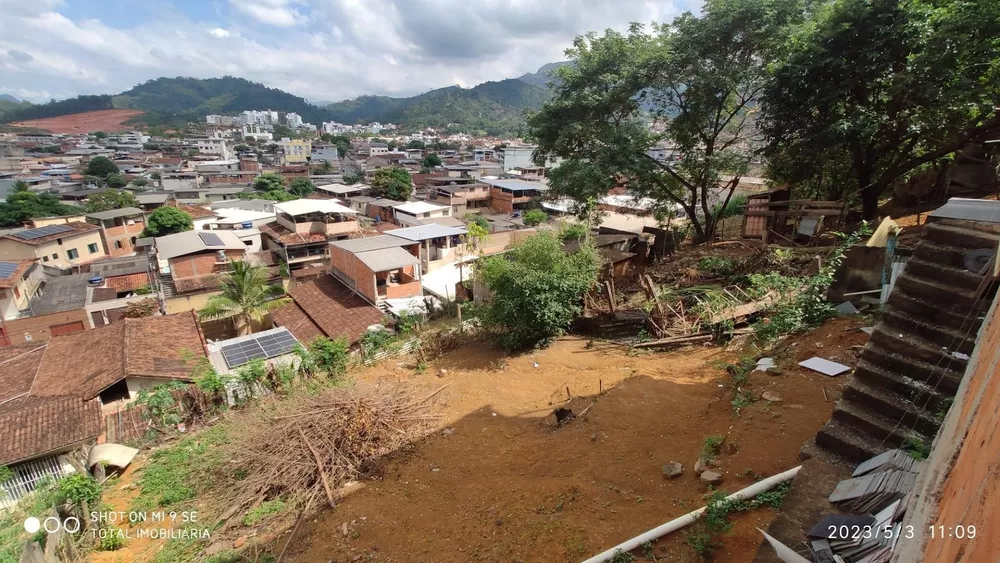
140 182
246 296
301 187
416 145
342 142
116 181
535 217
868 92
23 204
393 183
699 77
273 195
268 181
100 135
432 160
110 199
537 290
167 221
101 166
351 179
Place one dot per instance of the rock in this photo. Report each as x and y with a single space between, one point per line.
593 437
774 371
448 431
436 469
498 521
711 477
672 469
770 396
443 372
240 542
700 466
343 529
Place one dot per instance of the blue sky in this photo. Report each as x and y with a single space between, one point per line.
319 49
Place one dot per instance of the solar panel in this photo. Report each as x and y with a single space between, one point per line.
32 234
264 346
211 239
7 269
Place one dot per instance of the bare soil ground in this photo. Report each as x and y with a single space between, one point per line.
109 121
501 483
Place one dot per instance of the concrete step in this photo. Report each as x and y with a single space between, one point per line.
943 274
945 296
811 449
913 346
944 232
941 253
910 412
902 373
932 311
873 424
963 340
850 442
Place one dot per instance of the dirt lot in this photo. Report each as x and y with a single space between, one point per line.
109 121
501 483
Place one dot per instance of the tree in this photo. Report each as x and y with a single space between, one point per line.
325 167
100 135
167 221
537 290
700 78
23 204
110 199
116 181
246 296
101 166
342 141
21 186
140 182
535 217
904 85
415 144
268 181
393 183
478 220
351 179
301 187
273 195
156 176
432 160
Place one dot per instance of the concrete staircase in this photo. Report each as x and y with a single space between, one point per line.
909 372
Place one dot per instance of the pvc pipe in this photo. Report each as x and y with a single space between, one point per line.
692 517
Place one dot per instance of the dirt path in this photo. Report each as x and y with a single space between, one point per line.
501 483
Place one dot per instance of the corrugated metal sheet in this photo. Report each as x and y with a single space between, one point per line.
982 210
387 259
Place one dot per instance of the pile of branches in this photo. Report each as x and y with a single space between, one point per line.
316 444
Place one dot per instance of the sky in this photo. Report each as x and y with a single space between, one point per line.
322 50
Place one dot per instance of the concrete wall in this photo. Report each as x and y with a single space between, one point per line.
184 303
960 482
123 235
34 329
352 268
12 249
201 264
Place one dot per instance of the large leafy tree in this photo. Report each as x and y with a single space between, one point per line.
110 199
432 160
246 297
537 289
167 221
393 183
268 181
700 80
101 166
869 92
23 204
116 181
301 187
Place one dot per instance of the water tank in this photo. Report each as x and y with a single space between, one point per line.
247 224
96 280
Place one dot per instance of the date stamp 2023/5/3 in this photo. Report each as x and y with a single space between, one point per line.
901 532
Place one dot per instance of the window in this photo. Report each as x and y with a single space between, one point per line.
92 247
17 294
45 258
118 244
55 256
72 254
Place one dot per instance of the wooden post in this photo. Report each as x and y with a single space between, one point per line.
322 471
610 294
458 310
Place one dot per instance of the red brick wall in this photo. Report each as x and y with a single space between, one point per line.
38 327
123 234
501 202
351 267
201 264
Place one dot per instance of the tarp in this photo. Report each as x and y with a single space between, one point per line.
115 455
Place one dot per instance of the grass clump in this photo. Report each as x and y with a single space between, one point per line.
263 511
710 449
174 474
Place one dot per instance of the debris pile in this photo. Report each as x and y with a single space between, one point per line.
315 444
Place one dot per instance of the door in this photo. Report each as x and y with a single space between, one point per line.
66 328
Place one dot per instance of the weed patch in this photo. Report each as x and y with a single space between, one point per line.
176 473
710 449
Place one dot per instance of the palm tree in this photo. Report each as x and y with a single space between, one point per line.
246 296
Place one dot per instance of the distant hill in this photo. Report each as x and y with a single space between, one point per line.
496 108
9 104
541 77
8 98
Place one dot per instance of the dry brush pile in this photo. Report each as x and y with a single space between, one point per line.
316 444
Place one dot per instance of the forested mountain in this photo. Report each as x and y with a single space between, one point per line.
493 107
541 78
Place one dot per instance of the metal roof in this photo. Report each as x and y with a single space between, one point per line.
370 243
416 207
343 189
387 259
981 210
426 232
115 213
189 242
153 198
516 185
304 206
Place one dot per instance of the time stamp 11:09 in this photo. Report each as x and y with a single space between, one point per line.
960 532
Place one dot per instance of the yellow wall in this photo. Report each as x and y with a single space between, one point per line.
184 303
11 249
46 221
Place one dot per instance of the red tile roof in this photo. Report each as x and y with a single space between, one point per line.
18 365
129 282
34 427
196 212
77 226
200 283
17 274
288 238
326 307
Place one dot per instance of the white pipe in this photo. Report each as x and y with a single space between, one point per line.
692 517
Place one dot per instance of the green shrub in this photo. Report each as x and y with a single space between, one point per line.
111 539
263 511
710 449
80 488
330 355
535 217
374 341
734 207
716 266
572 231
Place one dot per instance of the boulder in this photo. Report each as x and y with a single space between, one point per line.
700 466
711 477
672 469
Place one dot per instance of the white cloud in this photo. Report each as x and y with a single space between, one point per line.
323 50
279 13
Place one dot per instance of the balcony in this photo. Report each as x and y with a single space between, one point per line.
308 254
399 285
